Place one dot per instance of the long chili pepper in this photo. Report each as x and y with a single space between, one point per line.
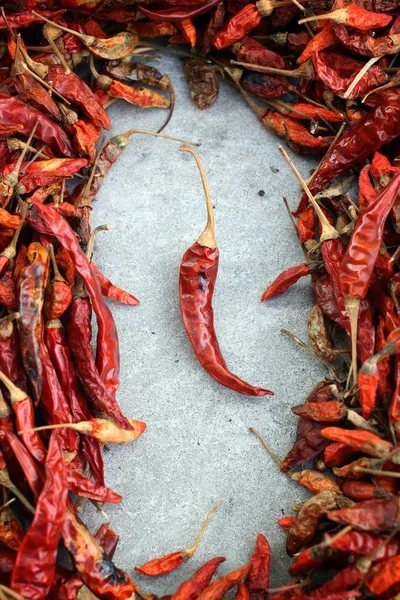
111 291
61 357
33 578
10 356
45 220
107 539
285 280
170 562
198 272
103 430
191 589
58 295
361 254
33 283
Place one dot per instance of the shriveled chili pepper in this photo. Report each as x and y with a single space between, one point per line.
138 72
218 589
336 454
107 539
203 82
170 562
384 576
354 16
33 283
264 86
306 225
104 430
322 40
198 272
257 580
215 22
285 280
176 14
238 25
145 30
371 515
286 522
314 481
66 264
251 51
33 578
329 411
24 19
364 441
319 334
193 587
58 295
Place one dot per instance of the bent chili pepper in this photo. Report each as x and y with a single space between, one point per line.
218 589
285 280
111 291
198 272
170 562
191 589
257 580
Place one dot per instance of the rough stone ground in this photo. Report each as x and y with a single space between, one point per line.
197 448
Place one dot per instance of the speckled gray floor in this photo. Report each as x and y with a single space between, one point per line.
197 448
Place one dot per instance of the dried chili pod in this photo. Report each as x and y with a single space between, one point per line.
192 588
33 578
218 589
257 580
371 515
354 16
285 280
198 272
33 283
138 72
111 291
203 82
170 562
314 481
103 430
319 334
363 441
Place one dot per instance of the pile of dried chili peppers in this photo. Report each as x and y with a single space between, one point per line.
324 75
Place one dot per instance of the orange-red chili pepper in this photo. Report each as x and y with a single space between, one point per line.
257 580
218 589
354 16
286 522
285 280
198 272
322 40
192 588
113 292
104 430
170 562
329 411
363 441
306 225
371 515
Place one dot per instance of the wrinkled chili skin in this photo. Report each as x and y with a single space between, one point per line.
198 272
285 280
257 580
203 82
237 26
191 589
61 357
378 127
13 110
10 356
76 91
35 562
79 332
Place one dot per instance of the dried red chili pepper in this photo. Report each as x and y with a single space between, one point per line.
257 580
285 280
242 592
329 411
193 587
107 539
238 25
296 135
251 51
198 272
314 481
306 225
170 562
66 264
138 72
384 576
286 522
104 430
111 291
176 14
322 40
33 577
24 19
363 441
264 86
218 589
58 295
336 454
46 220
33 283
371 515
61 357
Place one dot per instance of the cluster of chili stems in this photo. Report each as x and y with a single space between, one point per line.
334 64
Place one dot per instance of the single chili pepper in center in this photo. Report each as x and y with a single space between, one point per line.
197 275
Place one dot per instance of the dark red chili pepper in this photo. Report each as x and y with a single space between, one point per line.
174 15
354 16
264 86
238 26
218 589
198 272
257 580
33 577
251 51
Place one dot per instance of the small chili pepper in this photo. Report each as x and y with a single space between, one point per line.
336 454
107 539
335 587
120 45
285 280
58 295
306 225
15 111
303 530
238 25
203 82
33 283
371 515
66 264
264 86
218 589
33 577
296 135
257 580
86 488
314 481
251 51
8 295
111 291
84 135
366 191
61 357
242 592
192 588
138 72
361 490
309 441
307 559
322 40
10 357
24 19
286 522
44 172
353 16
216 20
76 91
363 441
11 532
198 272
385 576
329 411
170 562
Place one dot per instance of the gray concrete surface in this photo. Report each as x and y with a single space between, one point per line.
197 448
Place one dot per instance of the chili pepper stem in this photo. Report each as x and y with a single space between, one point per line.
163 135
377 472
207 238
392 83
16 393
188 552
12 179
89 39
90 246
57 52
352 306
328 231
330 539
57 274
306 70
266 446
325 17
11 249
360 75
83 427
